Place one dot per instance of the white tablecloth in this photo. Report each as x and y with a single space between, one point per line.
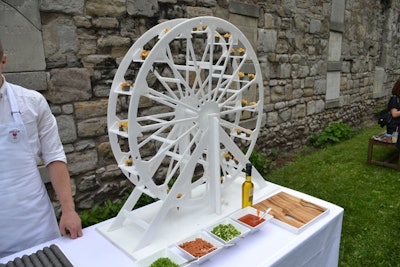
317 245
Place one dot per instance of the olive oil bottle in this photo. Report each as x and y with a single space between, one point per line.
247 188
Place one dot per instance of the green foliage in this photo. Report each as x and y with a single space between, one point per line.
332 134
108 210
260 162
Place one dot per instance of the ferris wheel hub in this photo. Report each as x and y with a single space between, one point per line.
207 110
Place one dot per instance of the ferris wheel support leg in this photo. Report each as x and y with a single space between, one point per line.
213 161
127 207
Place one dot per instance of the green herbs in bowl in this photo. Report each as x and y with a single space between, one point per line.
225 231
164 262
164 257
228 230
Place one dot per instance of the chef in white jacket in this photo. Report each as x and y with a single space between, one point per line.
29 135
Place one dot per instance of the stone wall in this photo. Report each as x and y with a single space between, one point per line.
323 61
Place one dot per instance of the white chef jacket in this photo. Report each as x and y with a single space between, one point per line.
22 189
39 122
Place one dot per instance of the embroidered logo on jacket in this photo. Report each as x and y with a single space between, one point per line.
14 135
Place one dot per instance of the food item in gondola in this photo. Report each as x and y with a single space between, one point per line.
226 231
163 262
125 86
227 36
144 54
197 247
123 126
129 161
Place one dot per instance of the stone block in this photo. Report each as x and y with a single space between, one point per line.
61 6
82 22
337 15
105 23
90 109
320 87
168 1
300 111
333 103
319 106
68 109
147 8
272 119
267 40
194 11
66 128
107 41
285 115
206 3
110 8
334 66
379 79
69 85
19 28
315 26
310 108
35 80
284 70
87 183
248 26
60 35
269 22
244 9
92 127
84 145
335 46
82 162
28 9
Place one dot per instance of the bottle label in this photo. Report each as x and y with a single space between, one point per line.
251 195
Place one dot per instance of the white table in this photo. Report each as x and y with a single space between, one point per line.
317 245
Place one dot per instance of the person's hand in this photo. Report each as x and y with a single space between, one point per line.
70 225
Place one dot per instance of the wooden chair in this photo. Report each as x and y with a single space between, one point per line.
393 161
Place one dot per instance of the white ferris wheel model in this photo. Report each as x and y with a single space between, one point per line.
184 113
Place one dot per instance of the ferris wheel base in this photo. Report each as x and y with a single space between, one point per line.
178 224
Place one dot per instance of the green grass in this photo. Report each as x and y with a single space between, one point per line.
370 196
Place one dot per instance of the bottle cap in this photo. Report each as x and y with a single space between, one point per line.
249 166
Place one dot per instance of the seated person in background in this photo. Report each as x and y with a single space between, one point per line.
394 108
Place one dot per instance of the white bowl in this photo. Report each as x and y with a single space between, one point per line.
251 212
164 253
202 235
244 230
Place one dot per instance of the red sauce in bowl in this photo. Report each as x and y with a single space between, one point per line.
251 220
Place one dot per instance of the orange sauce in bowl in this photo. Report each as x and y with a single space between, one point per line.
251 220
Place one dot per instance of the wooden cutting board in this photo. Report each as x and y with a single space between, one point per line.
289 209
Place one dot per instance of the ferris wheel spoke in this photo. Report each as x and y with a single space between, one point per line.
171 147
158 134
163 124
168 101
163 80
179 80
197 69
236 93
